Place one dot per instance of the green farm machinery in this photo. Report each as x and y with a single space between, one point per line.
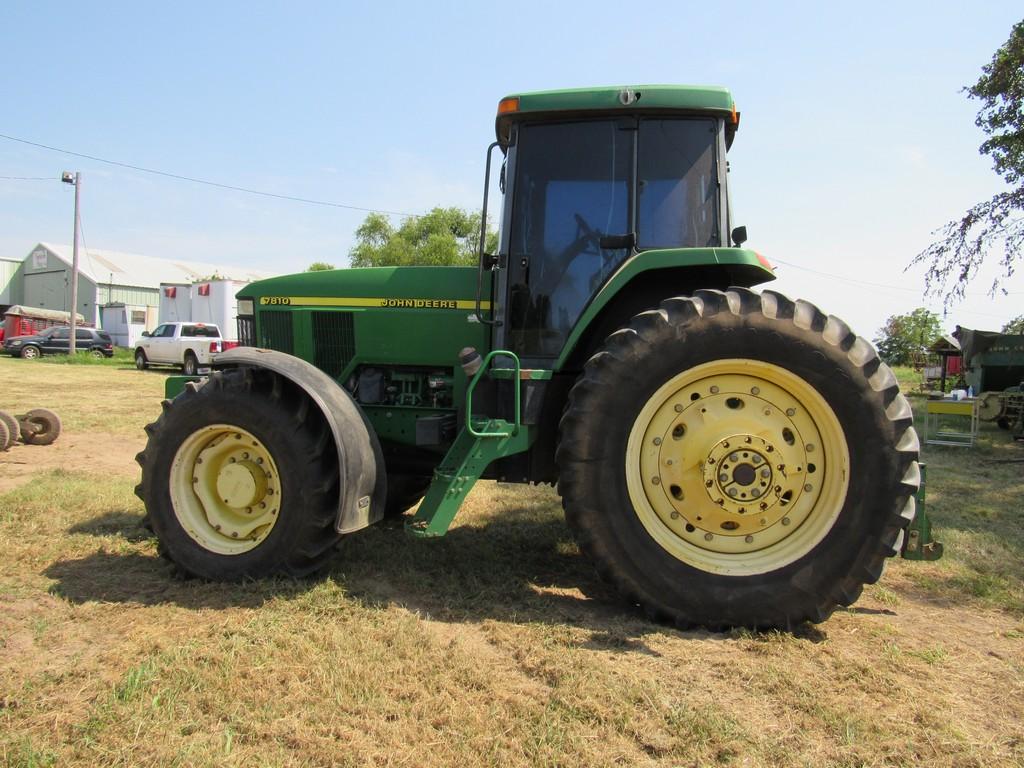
725 457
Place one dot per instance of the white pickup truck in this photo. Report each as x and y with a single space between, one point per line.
189 345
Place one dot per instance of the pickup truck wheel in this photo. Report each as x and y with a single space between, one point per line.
140 360
30 352
240 479
191 365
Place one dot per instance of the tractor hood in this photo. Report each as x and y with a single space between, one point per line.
440 288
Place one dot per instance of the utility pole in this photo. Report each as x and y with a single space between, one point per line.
77 182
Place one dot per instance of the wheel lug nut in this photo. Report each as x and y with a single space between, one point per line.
757 458
714 390
679 408
809 447
755 390
734 457
766 472
785 521
732 492
749 539
655 481
791 411
708 537
808 487
723 478
657 441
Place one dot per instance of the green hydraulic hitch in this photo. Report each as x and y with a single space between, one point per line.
918 543
481 441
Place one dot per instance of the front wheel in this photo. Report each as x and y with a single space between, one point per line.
30 352
140 360
738 459
240 479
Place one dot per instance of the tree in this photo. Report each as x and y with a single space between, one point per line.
1014 326
905 339
442 237
320 266
997 222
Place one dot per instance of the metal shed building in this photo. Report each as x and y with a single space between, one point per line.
107 277
10 282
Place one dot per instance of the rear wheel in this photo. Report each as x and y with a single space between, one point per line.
191 366
738 459
5 438
240 479
97 353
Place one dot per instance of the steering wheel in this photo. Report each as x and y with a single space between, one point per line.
585 236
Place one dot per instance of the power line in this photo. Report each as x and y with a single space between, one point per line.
873 285
194 180
29 178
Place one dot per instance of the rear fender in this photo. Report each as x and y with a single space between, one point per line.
360 461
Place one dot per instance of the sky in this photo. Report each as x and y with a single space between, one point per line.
856 141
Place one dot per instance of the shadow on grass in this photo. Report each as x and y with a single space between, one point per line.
521 569
127 525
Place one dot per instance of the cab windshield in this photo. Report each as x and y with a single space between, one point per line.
577 184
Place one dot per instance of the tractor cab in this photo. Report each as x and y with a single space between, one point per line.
591 180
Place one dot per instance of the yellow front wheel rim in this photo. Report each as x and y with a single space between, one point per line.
737 467
225 489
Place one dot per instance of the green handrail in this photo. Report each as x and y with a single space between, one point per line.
469 397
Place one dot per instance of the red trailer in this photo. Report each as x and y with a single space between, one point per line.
24 321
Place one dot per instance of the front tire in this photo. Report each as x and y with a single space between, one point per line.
738 459
240 479
29 352
140 360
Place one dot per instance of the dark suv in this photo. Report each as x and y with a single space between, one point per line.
57 340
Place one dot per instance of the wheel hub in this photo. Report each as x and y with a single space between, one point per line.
736 457
225 488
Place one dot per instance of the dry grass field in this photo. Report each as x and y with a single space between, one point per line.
494 646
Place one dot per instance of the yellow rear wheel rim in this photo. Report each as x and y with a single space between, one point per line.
737 467
225 489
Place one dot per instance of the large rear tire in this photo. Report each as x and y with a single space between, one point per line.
738 459
240 479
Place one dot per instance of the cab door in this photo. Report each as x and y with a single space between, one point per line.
571 197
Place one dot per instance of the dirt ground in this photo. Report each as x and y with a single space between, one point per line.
101 452
495 645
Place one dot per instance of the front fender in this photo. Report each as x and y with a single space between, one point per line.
360 461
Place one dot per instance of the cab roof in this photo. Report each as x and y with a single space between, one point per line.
632 99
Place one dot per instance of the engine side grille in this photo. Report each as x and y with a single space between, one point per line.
246 332
276 331
334 341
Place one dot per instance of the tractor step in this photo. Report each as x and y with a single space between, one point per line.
479 443
918 543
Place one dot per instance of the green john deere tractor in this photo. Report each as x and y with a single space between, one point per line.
725 457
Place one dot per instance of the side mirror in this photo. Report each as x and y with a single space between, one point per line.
739 236
146 333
